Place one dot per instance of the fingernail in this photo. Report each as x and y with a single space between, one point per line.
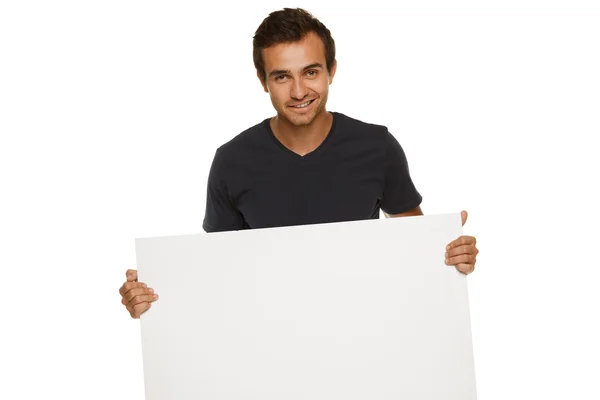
155 296
448 247
446 255
151 290
144 285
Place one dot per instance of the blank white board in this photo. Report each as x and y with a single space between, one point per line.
340 311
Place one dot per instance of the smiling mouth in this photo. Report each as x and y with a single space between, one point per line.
303 105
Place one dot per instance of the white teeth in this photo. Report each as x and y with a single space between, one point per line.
303 105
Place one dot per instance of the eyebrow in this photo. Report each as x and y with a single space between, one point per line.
287 71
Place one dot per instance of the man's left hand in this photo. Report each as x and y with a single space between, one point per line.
462 252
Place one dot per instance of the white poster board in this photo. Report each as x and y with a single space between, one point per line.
343 311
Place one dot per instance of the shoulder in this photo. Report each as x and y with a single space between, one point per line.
361 129
243 143
361 133
250 136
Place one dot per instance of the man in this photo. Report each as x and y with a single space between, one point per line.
305 165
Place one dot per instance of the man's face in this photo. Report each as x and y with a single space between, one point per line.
297 79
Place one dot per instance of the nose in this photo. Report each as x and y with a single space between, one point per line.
299 90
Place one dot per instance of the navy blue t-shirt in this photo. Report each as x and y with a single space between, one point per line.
256 182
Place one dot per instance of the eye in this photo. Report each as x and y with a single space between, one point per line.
311 73
280 78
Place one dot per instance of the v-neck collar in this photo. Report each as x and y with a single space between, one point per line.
267 125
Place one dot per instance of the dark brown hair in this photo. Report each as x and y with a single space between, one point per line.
288 26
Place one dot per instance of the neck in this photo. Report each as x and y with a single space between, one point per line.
302 139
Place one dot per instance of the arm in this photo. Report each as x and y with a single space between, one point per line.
221 213
400 196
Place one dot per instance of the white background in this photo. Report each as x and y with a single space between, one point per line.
110 113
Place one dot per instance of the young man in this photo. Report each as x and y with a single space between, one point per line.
305 165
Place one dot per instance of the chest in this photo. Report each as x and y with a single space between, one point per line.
309 190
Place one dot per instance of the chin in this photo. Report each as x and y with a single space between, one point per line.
304 119
301 119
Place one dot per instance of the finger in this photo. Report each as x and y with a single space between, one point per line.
463 216
124 301
464 249
131 275
462 240
137 310
127 286
141 304
463 258
147 298
129 296
465 268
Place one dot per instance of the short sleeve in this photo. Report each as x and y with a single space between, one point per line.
221 214
399 192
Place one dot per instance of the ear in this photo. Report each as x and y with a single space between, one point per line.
264 85
332 72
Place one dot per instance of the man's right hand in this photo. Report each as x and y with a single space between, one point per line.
136 296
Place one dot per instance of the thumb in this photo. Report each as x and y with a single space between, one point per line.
131 275
463 216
